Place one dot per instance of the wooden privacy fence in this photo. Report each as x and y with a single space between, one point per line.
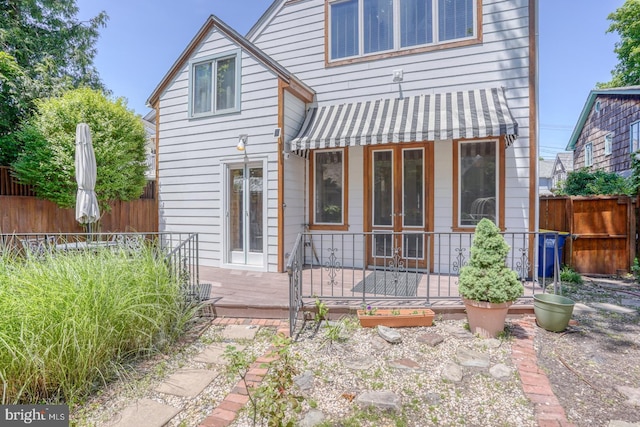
602 229
21 212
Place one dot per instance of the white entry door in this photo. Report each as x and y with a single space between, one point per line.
245 224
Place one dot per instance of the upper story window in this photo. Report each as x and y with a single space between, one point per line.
365 27
588 154
608 144
634 131
214 85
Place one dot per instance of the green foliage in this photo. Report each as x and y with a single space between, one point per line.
68 321
568 275
273 400
321 310
584 182
625 22
12 104
44 50
635 269
486 277
47 162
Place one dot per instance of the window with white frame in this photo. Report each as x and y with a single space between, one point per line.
608 144
329 187
215 85
478 166
364 27
588 154
634 131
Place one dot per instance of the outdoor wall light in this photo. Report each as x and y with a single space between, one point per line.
242 142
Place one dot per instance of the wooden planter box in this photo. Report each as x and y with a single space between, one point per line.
398 318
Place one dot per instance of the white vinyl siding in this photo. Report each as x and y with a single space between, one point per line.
193 153
295 38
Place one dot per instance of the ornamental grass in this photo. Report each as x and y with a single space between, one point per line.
69 322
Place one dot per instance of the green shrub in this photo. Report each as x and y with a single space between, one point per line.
568 275
486 277
69 320
584 182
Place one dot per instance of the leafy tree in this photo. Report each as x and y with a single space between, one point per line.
626 22
47 162
584 182
44 51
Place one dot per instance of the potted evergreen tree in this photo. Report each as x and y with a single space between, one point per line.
487 286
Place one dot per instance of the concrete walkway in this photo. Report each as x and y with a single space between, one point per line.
535 384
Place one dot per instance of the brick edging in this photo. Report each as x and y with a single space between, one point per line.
227 411
535 383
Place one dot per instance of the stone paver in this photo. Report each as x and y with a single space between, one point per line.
614 308
580 308
240 332
187 382
214 353
145 412
149 413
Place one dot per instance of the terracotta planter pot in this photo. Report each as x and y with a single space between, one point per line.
485 318
398 318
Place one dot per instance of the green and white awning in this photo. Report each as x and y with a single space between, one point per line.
430 117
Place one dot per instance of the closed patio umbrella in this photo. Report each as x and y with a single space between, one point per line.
87 210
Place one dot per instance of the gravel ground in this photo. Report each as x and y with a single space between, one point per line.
343 368
595 359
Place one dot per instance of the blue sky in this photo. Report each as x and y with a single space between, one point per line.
143 39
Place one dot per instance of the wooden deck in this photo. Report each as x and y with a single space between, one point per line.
252 294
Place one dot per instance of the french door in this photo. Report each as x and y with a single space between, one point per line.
245 223
398 206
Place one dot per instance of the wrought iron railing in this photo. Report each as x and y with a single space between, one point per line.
405 268
180 250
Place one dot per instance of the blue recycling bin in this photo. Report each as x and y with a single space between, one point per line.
546 249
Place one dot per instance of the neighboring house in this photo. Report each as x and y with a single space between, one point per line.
352 118
545 177
608 130
149 122
562 165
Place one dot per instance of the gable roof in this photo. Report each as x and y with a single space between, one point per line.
628 90
545 168
215 22
565 159
275 5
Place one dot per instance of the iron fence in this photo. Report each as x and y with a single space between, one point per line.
180 251
400 268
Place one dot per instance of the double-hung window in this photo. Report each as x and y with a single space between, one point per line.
608 144
634 131
365 27
478 184
588 154
215 85
329 188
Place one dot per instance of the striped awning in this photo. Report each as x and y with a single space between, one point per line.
454 115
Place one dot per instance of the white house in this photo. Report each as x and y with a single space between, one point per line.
355 116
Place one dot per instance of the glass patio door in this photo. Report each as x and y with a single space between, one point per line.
245 215
398 208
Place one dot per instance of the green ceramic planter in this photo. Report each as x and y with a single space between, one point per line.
553 312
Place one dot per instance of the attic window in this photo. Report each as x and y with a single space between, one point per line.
214 85
597 107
